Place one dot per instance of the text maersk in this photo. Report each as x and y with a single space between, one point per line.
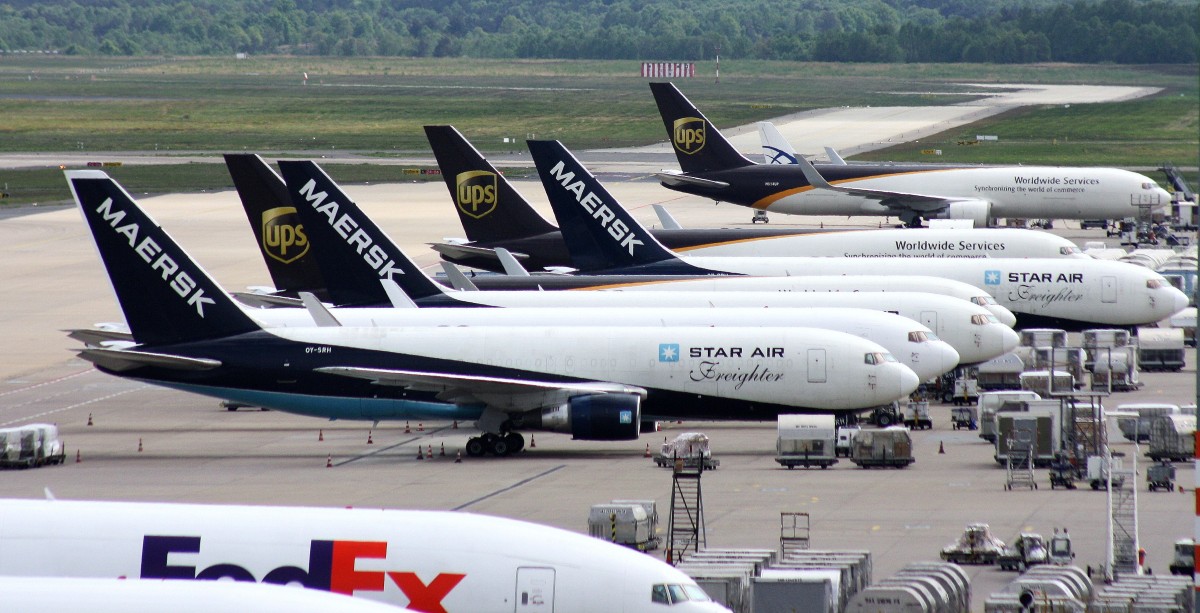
594 205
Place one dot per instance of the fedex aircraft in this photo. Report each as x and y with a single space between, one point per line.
712 168
1064 293
92 595
429 561
494 214
594 382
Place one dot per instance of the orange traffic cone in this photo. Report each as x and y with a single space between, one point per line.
78 458
420 454
89 419
455 426
139 445
320 435
941 447
532 442
406 430
370 441
647 454
429 453
329 461
458 458
443 453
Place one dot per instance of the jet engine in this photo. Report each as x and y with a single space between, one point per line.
978 211
594 417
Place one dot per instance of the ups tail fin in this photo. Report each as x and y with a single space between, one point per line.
491 210
698 144
277 228
353 252
166 296
599 232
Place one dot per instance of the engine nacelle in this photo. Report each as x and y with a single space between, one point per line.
978 211
595 417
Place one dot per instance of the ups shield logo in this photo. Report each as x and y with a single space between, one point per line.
476 193
283 236
688 135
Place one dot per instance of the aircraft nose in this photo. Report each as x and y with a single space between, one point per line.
1002 313
1009 340
1179 300
908 380
948 359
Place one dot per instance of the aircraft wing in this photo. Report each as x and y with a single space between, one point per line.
499 392
923 203
674 177
128 359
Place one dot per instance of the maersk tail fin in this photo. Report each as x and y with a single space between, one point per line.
698 144
167 298
353 252
490 209
599 232
277 228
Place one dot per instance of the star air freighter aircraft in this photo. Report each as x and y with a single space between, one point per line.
429 561
494 214
713 168
596 383
917 346
1064 293
290 259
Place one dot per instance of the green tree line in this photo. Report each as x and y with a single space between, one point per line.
1002 31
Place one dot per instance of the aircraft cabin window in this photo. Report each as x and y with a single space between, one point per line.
917 336
658 593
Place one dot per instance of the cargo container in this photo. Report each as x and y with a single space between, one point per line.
1039 381
651 508
624 524
806 440
788 590
1001 373
889 447
987 405
1030 424
1172 437
1138 428
31 446
1161 349
916 416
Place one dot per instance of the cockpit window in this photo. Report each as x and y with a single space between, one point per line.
887 357
1153 284
1148 186
696 593
677 593
658 594
983 300
1072 250
917 336
931 336
983 320
877 357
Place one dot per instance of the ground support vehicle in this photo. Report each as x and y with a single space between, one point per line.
1027 550
975 546
916 416
1161 476
1184 562
964 418
806 440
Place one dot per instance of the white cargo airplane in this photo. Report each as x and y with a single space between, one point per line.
1043 292
91 595
430 561
713 168
588 381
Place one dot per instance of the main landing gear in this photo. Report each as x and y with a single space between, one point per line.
496 444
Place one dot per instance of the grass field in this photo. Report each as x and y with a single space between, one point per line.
378 105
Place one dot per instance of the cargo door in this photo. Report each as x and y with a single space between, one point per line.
535 590
1108 289
929 318
816 366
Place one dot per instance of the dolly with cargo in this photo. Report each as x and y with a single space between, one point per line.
888 447
691 448
1028 549
31 446
976 545
1161 476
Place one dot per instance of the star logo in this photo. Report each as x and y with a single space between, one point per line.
991 277
668 352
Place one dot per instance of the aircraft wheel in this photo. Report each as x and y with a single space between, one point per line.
498 446
475 447
515 441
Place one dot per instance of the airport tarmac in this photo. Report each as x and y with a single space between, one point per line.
195 451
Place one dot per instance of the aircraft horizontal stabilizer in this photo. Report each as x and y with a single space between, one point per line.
671 178
459 251
126 359
500 392
266 301
96 337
